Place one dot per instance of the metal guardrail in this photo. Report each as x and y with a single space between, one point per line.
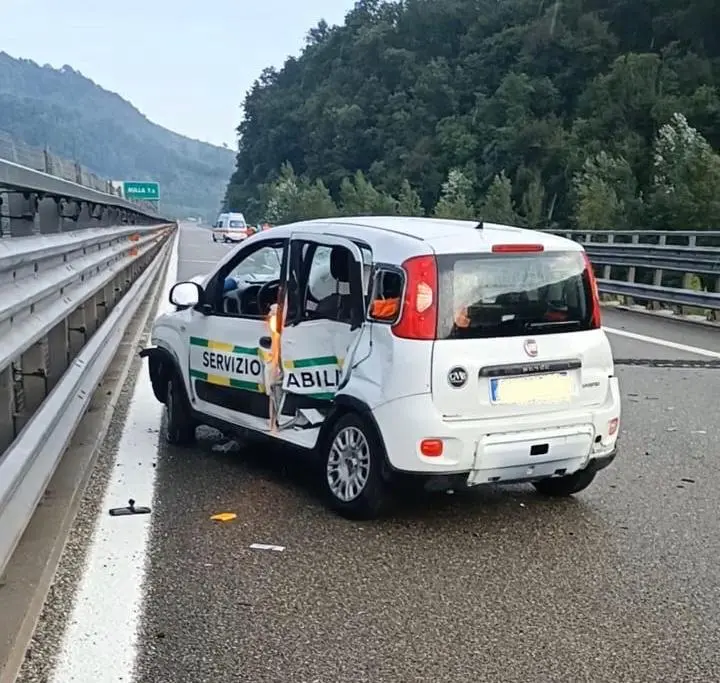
18 152
75 263
28 464
649 255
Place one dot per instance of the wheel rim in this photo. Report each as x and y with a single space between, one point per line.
348 465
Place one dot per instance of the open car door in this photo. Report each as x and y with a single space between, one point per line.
324 312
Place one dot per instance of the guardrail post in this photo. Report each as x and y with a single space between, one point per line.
58 356
32 373
631 273
607 270
50 218
22 209
657 276
7 408
77 331
688 278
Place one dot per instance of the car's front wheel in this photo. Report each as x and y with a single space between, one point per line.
561 487
180 426
354 473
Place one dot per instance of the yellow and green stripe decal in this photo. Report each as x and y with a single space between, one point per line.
223 346
311 362
222 381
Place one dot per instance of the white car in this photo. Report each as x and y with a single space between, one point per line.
464 353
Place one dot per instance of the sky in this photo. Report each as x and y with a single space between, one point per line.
185 64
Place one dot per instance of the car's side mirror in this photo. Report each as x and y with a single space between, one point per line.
186 294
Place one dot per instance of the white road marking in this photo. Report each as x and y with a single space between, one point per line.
664 342
194 260
100 643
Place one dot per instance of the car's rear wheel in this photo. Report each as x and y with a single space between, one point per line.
354 475
179 424
561 487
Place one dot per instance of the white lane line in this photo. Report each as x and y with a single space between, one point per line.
664 342
194 260
100 643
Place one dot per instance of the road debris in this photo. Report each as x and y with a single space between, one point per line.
129 510
224 517
265 546
231 446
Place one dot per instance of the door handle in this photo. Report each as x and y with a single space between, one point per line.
266 342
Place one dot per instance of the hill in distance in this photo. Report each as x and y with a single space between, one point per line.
76 119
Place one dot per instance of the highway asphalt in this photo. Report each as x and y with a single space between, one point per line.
620 584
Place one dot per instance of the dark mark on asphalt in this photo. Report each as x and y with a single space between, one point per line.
665 363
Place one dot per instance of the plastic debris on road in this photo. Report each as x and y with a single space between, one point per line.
224 517
265 546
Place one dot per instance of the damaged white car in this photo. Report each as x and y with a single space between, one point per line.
462 353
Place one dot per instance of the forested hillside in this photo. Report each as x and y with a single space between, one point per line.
77 119
599 114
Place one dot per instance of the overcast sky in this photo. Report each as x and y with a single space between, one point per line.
186 64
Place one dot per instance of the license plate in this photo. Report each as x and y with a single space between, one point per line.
552 388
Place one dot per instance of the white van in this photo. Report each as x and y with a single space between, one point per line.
231 227
460 352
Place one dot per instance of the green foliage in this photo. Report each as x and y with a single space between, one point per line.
606 194
409 203
358 197
531 92
497 206
455 198
77 120
686 179
290 199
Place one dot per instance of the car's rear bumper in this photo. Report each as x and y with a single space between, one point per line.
501 450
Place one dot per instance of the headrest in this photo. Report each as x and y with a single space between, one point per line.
340 264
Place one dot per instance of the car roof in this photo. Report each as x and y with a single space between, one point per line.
415 235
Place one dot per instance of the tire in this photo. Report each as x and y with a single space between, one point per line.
180 426
562 487
369 497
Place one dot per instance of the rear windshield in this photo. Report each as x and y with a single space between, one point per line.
512 295
237 224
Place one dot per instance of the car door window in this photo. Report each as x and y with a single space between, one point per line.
248 284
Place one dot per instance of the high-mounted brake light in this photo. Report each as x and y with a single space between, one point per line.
516 248
418 319
595 316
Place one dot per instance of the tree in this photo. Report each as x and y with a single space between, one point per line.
533 201
410 90
294 199
497 207
358 197
606 194
455 199
408 202
685 192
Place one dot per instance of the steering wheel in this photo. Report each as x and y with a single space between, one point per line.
264 293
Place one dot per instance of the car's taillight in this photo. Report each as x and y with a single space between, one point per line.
595 317
418 319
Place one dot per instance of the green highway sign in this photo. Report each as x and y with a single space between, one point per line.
141 190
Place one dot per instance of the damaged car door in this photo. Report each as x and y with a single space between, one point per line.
322 323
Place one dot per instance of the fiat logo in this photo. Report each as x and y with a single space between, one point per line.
531 348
